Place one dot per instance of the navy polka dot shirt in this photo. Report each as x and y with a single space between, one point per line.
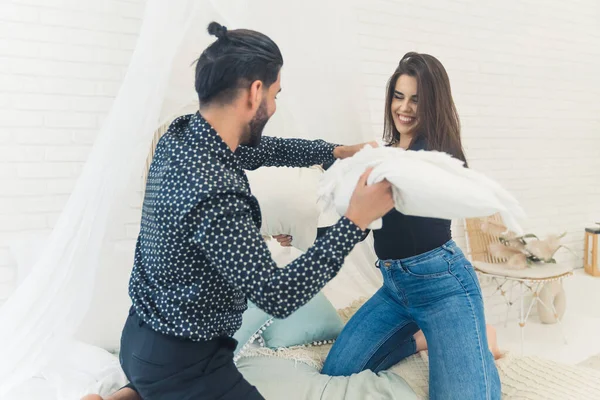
200 256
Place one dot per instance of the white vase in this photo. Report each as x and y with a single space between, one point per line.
552 293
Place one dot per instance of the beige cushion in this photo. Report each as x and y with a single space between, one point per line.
544 271
288 202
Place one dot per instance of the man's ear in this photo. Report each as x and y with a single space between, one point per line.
255 95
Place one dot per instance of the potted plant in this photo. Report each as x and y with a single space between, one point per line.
522 251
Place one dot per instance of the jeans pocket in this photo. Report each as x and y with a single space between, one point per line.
144 361
430 268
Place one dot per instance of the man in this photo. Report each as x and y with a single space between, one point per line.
200 256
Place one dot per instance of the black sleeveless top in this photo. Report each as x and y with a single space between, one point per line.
404 236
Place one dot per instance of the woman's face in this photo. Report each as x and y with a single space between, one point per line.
404 104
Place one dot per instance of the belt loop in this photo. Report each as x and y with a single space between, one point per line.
448 248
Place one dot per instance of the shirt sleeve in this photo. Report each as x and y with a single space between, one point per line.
230 240
278 152
322 231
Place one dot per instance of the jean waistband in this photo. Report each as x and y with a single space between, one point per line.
448 248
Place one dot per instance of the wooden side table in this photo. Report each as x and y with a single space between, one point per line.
591 257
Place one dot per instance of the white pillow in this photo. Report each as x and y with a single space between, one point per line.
78 370
288 202
425 184
282 255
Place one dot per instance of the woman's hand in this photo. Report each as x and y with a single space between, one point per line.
284 240
342 152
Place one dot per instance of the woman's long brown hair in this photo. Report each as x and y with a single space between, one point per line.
437 119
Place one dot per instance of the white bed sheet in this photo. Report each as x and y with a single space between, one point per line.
78 370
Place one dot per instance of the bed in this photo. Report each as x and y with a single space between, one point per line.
294 373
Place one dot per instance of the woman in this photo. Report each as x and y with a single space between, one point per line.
428 282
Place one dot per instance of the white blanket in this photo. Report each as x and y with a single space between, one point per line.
425 183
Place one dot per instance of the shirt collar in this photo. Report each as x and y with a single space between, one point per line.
212 140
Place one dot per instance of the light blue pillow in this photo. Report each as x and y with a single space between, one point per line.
253 321
316 321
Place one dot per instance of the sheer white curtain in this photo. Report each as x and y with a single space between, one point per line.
48 306
322 98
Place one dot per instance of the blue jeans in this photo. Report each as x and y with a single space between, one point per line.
437 292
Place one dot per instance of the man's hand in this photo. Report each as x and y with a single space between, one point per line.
369 202
342 152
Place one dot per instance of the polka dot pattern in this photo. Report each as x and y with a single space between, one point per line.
199 256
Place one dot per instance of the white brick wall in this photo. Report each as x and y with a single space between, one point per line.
525 80
524 76
61 64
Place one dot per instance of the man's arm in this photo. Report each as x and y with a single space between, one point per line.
232 243
322 231
279 152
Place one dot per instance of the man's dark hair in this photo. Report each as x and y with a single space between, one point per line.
235 60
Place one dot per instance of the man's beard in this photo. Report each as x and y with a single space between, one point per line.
256 126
